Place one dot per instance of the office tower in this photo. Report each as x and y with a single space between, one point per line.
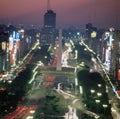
115 63
48 31
50 19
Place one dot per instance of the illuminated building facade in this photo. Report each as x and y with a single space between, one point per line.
13 47
9 45
111 52
3 43
15 43
116 56
107 43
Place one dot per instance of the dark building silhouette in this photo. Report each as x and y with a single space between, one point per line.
50 19
89 30
91 35
48 32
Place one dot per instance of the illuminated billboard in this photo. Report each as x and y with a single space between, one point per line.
10 43
93 34
108 56
3 45
16 36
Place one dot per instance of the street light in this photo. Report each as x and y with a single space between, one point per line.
99 94
99 85
92 91
97 101
104 106
45 57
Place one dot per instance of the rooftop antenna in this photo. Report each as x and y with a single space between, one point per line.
48 4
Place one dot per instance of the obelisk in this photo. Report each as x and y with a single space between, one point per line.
59 65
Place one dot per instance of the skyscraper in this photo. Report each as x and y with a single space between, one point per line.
48 31
50 19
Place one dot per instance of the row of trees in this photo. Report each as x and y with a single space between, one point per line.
52 105
94 95
14 92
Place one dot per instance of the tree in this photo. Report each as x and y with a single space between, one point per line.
50 107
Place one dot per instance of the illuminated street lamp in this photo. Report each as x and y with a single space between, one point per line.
45 57
32 111
97 101
92 91
99 94
54 48
99 85
104 106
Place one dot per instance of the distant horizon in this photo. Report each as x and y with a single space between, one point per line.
57 27
102 14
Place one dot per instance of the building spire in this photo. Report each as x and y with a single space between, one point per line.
48 5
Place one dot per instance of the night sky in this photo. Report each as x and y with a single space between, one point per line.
101 13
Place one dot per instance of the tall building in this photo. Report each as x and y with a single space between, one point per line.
3 43
92 37
110 47
50 19
106 48
49 28
116 57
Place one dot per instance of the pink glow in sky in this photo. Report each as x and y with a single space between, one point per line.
103 13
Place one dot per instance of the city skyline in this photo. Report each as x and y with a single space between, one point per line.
77 13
